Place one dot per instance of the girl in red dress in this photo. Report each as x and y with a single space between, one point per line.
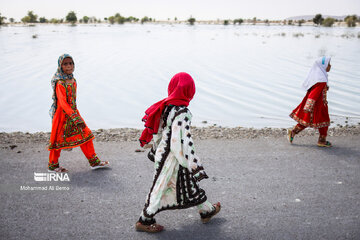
313 110
68 128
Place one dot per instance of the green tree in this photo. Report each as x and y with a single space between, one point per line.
119 19
54 20
328 22
300 22
226 22
30 18
191 20
85 19
239 21
267 22
2 19
71 17
144 20
175 19
112 19
11 20
351 20
290 22
318 19
132 19
43 20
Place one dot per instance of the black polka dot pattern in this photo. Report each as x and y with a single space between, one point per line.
190 144
179 123
187 127
188 135
186 119
192 152
186 156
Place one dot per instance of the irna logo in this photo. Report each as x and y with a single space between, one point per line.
48 177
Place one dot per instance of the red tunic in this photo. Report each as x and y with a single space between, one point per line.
313 110
66 132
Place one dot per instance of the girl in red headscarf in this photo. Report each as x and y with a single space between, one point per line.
177 168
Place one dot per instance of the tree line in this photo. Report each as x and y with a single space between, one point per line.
350 20
72 18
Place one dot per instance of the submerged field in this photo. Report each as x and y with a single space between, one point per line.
246 76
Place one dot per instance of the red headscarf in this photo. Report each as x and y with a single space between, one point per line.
181 90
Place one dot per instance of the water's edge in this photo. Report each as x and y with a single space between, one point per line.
212 132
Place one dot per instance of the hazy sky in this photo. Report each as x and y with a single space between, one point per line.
182 9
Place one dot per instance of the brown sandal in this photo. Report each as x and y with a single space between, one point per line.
153 228
206 217
58 170
324 144
102 164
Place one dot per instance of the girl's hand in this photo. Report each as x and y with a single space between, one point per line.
149 145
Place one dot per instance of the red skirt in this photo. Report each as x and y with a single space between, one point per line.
313 110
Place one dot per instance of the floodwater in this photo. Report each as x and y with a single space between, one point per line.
246 75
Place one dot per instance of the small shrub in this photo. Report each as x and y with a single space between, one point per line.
298 34
351 20
239 21
191 20
328 22
43 20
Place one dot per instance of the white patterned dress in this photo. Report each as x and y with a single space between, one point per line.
177 168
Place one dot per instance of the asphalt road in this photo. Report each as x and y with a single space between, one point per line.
268 189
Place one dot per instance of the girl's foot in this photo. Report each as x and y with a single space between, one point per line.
206 217
102 164
290 135
324 144
58 170
153 228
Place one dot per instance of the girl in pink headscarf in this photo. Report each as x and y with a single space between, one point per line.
177 168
